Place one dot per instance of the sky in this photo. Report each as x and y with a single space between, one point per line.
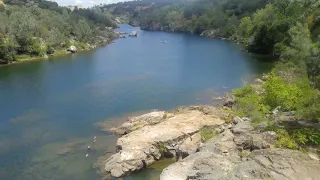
86 3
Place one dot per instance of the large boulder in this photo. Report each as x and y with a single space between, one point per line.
177 135
72 49
133 34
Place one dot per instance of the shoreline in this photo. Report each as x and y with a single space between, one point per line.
61 52
189 135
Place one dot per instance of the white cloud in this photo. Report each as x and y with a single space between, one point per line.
79 2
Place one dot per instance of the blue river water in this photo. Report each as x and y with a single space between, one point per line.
50 108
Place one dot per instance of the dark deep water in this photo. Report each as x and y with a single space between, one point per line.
49 107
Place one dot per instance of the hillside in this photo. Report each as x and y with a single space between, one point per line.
30 29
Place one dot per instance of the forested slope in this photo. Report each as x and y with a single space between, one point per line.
37 28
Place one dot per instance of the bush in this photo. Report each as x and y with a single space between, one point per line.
284 140
207 133
307 136
50 49
248 102
80 45
298 137
37 48
309 106
280 93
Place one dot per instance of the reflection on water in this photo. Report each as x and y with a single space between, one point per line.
29 116
50 108
152 172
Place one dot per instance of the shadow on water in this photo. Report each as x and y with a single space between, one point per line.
152 172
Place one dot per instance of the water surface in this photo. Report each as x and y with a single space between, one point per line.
49 107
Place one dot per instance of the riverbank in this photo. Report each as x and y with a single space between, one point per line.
199 138
80 47
230 141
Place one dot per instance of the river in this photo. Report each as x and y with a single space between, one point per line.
49 108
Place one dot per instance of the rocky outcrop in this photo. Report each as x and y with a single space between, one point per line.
161 135
138 122
241 153
212 33
133 34
72 49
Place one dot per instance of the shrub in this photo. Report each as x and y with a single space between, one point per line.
248 102
307 136
50 49
36 48
280 93
284 140
207 133
243 92
80 45
309 106
293 138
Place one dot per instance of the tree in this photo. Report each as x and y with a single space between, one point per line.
83 31
23 26
303 52
245 29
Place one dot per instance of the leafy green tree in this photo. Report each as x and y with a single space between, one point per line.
83 31
7 49
245 29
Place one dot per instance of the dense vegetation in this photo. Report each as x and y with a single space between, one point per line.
287 29
38 28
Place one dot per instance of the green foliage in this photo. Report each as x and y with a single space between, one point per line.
162 147
307 136
297 137
43 27
281 93
7 49
248 102
80 45
309 108
207 133
83 31
192 17
245 29
301 46
284 140
36 48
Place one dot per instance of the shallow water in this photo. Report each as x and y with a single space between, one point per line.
49 108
